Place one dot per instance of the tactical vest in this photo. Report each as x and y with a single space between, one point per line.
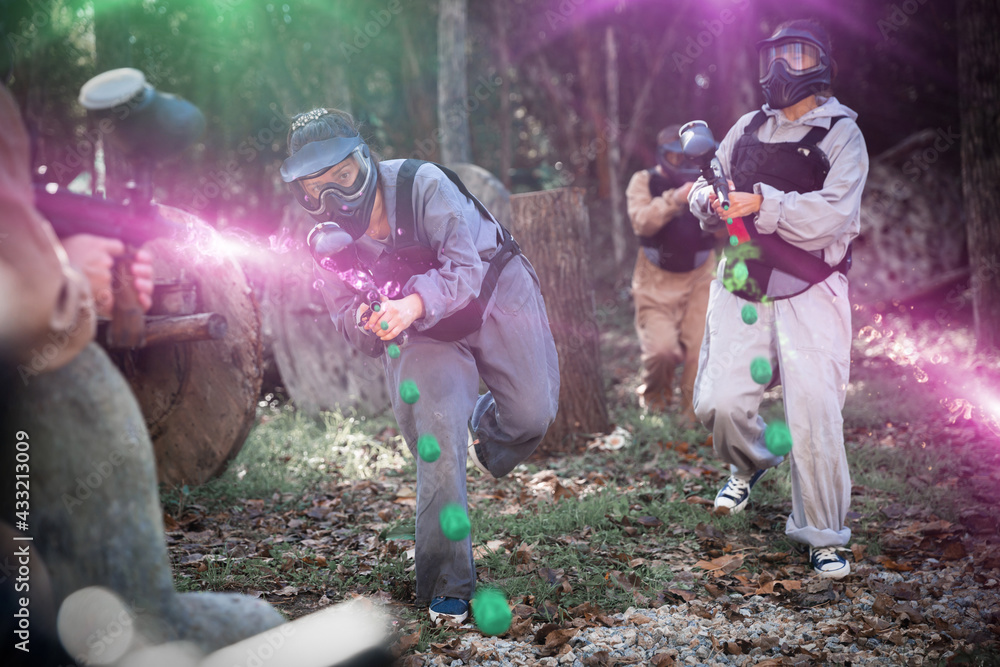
767 267
680 245
409 257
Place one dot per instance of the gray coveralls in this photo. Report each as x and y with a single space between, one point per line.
513 353
806 337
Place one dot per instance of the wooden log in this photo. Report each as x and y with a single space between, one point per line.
552 228
199 398
166 330
319 369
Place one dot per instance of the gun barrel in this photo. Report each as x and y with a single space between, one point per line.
72 213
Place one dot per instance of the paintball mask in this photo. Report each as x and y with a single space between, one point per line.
793 65
334 180
676 166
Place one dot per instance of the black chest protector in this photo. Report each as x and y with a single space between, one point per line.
409 257
767 267
680 245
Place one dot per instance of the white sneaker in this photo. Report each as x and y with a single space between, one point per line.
474 455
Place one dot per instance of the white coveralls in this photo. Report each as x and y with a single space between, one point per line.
806 338
513 353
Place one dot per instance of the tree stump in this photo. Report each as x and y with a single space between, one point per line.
552 228
487 188
199 398
319 369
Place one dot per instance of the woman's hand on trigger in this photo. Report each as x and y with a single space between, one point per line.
398 315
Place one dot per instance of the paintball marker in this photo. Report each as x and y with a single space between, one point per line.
146 126
699 146
335 251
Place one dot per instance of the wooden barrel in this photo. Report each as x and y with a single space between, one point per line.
199 398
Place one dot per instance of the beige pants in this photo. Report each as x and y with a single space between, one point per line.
670 321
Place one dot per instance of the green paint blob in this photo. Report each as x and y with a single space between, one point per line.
376 307
491 611
729 221
777 438
749 314
740 273
455 522
384 325
392 350
760 370
428 448
733 241
408 391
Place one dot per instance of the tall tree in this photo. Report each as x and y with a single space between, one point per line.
979 85
453 110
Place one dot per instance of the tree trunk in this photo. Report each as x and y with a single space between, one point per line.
552 228
507 72
979 85
619 234
111 40
453 113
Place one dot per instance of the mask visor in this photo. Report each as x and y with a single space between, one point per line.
331 187
799 57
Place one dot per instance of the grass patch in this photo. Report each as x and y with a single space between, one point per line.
288 453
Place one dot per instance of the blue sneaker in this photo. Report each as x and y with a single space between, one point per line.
451 611
735 495
827 563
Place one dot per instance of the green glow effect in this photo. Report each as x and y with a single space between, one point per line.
749 314
455 522
393 351
491 611
408 391
760 370
777 438
428 448
384 325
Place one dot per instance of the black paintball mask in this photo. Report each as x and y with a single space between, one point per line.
676 166
334 180
794 64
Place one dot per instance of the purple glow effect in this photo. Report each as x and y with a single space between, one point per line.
966 385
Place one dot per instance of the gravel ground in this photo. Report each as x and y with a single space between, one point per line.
948 611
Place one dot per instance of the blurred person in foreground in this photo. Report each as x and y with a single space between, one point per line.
48 314
779 310
673 272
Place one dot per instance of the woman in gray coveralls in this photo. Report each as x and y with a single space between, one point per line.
336 178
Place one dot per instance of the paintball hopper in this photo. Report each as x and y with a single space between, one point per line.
697 142
146 123
328 240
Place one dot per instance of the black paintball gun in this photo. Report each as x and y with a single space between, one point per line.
699 146
336 252
146 126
